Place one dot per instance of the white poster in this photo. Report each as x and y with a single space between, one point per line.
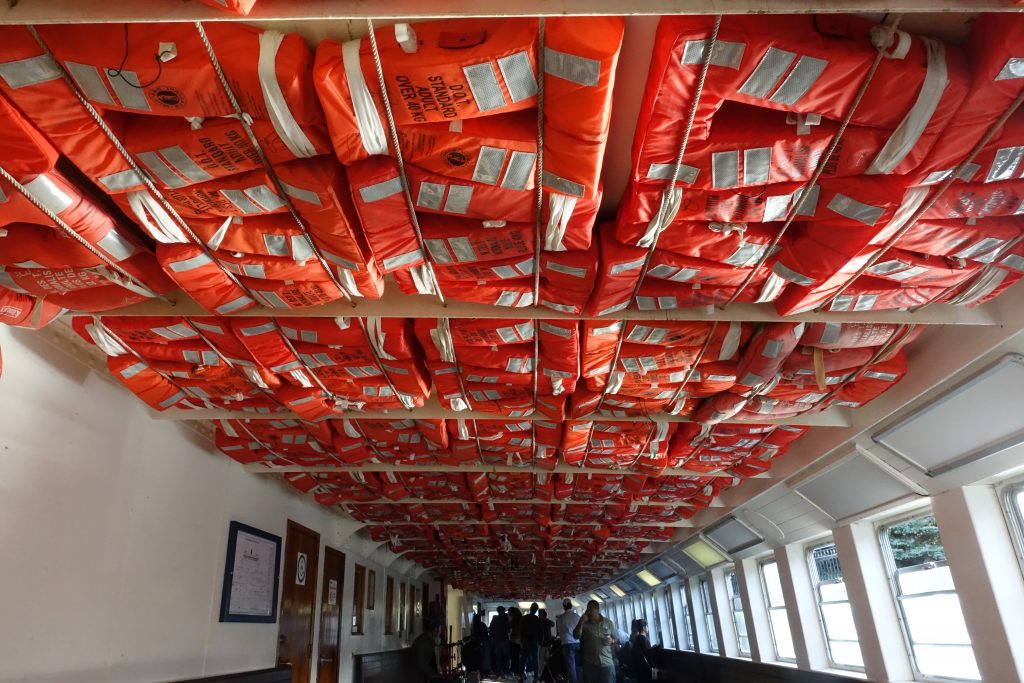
300 569
252 582
332 592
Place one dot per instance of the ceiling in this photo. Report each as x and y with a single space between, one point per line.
490 444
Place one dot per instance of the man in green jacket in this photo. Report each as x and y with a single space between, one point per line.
596 635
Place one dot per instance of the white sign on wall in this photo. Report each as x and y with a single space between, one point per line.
332 592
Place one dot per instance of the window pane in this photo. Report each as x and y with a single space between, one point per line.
916 541
773 585
846 654
926 580
656 629
936 619
670 612
948 662
838 618
732 585
832 592
783 638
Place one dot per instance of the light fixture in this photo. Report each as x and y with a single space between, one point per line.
594 596
857 485
525 604
648 578
976 419
703 553
732 535
618 591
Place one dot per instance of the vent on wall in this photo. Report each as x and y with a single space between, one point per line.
855 486
732 535
976 419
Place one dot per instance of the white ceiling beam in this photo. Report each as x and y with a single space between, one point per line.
510 501
395 304
831 417
83 11
677 524
560 468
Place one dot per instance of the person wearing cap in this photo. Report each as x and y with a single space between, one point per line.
564 624
597 634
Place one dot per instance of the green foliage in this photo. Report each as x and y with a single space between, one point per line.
916 541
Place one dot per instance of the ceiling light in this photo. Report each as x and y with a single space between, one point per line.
593 596
972 421
704 554
648 578
618 591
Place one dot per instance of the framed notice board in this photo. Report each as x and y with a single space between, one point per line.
252 572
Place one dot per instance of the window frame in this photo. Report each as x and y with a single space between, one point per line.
655 618
768 607
816 584
401 608
892 574
668 603
1014 516
731 571
704 587
389 605
358 601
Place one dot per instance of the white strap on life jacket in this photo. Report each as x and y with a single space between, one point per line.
162 228
560 208
371 129
281 117
907 134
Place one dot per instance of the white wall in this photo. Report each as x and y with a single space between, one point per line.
113 534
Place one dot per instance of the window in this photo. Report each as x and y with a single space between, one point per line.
655 630
929 607
775 601
687 624
358 600
401 607
1014 499
389 606
732 588
834 607
412 610
709 615
670 611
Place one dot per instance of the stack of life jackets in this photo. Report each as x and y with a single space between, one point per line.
635 446
276 443
790 369
463 97
329 364
44 270
495 365
174 362
155 88
396 441
745 450
498 442
660 367
776 92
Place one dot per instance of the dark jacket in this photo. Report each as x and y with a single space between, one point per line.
423 656
530 630
499 627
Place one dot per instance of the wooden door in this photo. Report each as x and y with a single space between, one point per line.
298 601
329 665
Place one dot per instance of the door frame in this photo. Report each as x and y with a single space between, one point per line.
293 531
324 592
